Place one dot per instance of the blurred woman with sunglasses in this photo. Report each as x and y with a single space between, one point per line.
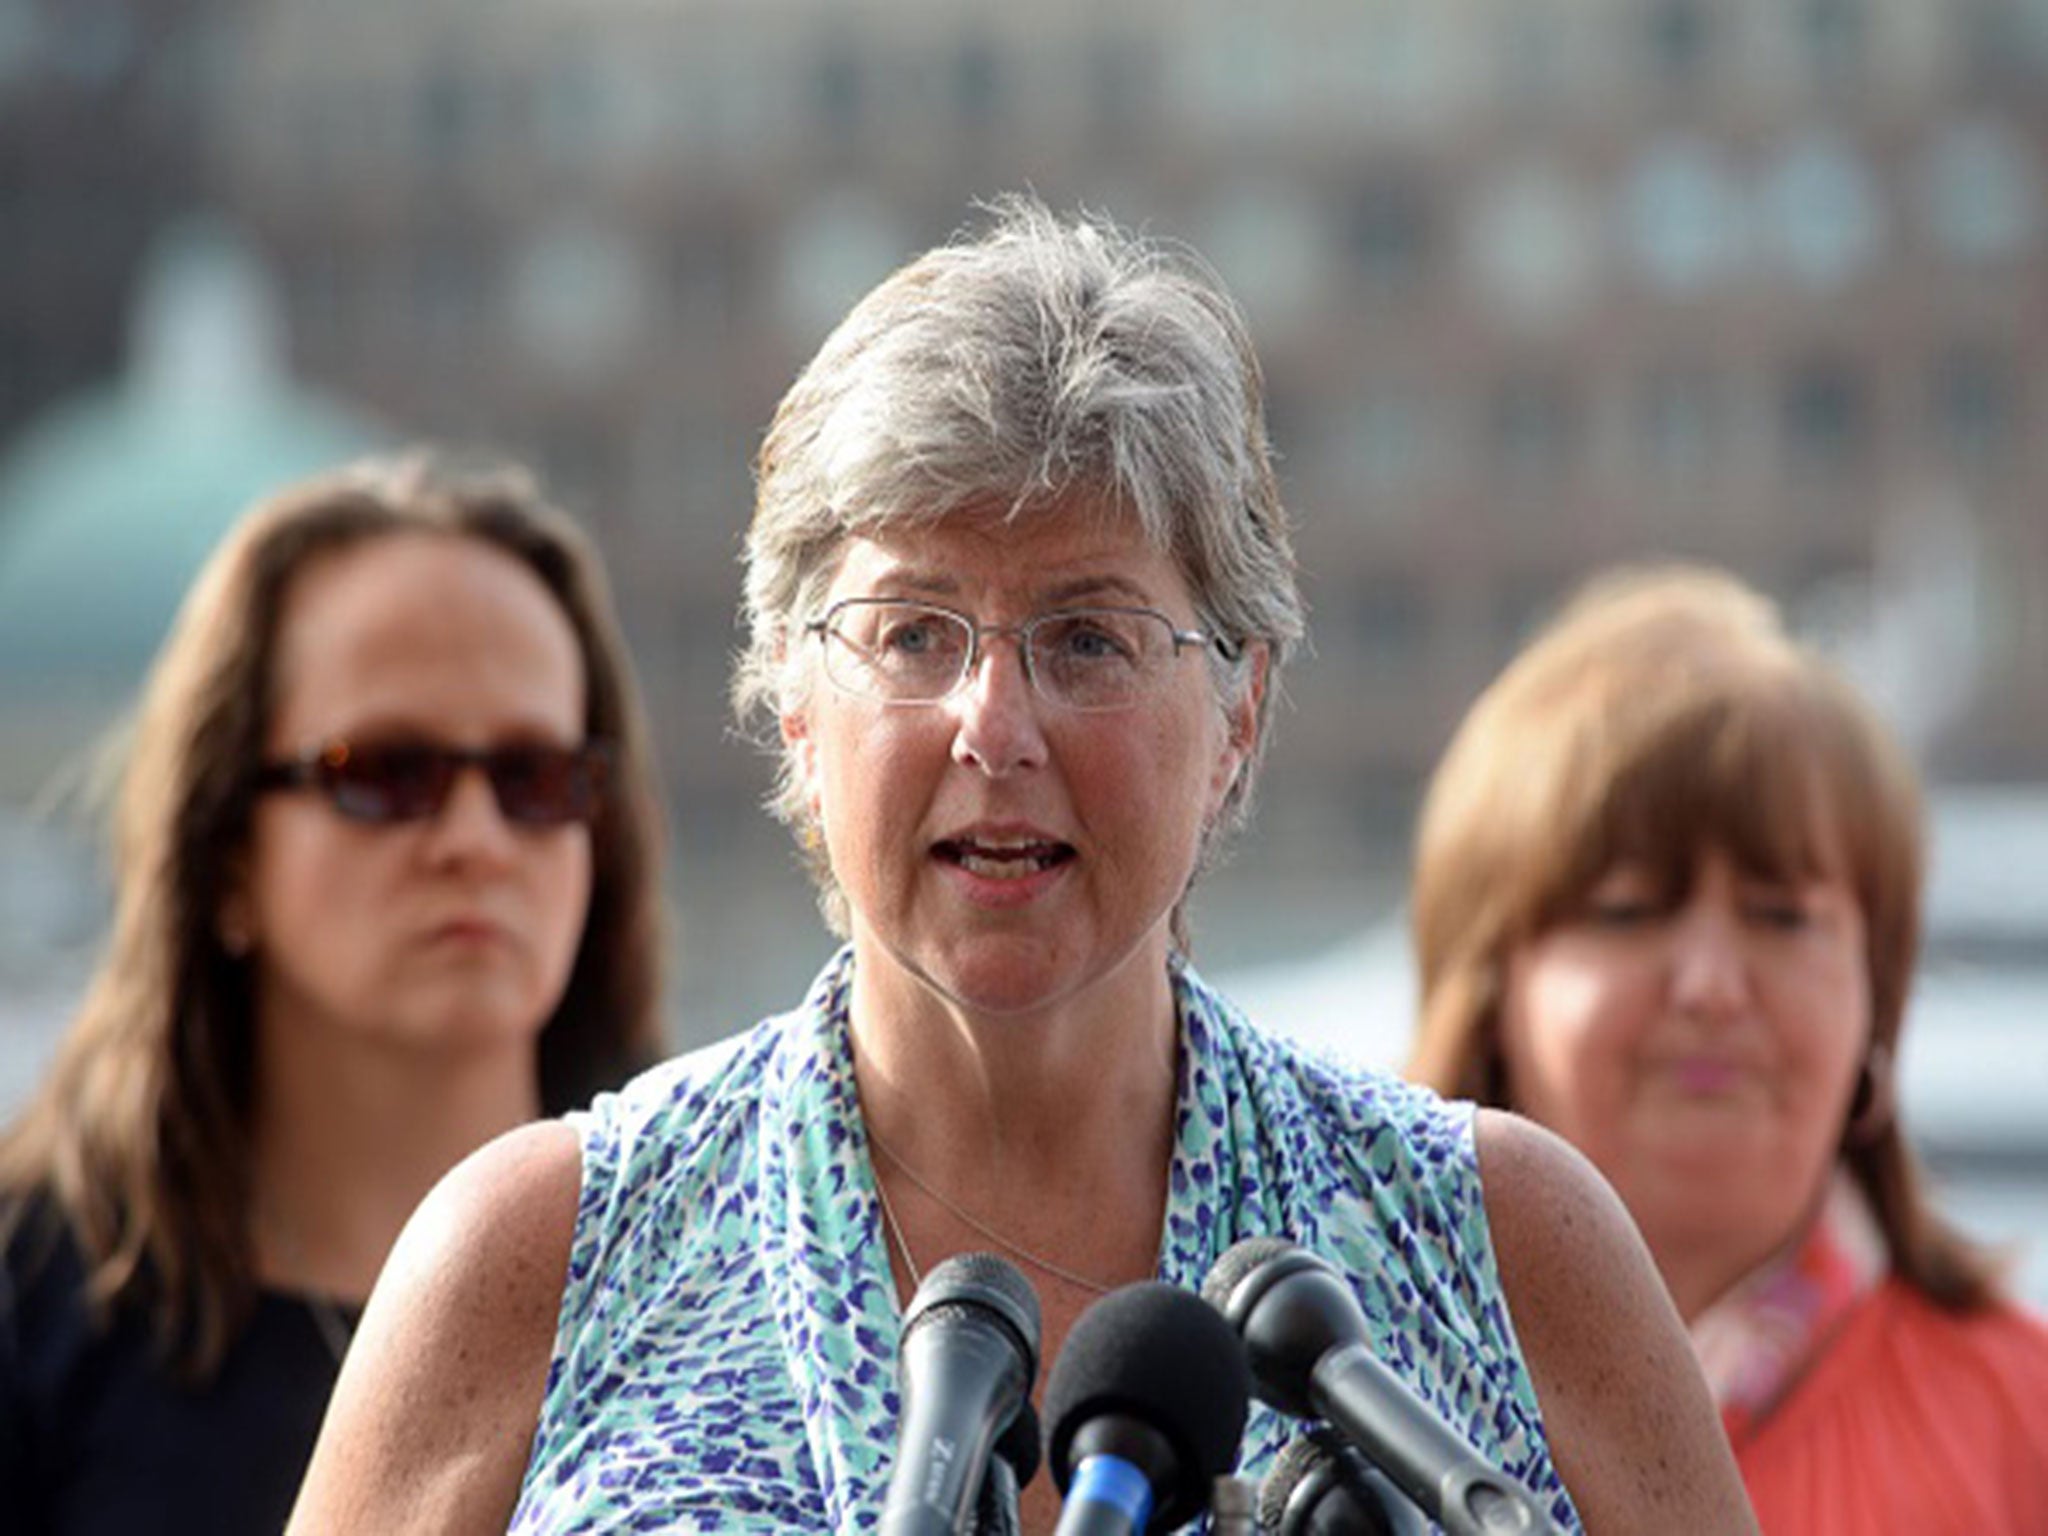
387 858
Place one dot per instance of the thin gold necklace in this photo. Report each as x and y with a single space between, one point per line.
969 1219
896 1231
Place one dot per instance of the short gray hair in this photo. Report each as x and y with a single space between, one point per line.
1014 371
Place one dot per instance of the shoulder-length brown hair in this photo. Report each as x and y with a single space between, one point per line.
1663 712
138 1137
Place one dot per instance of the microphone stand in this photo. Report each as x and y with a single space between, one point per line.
1371 1486
995 1510
1234 1507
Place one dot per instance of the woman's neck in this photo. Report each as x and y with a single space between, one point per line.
344 1149
1700 1267
1080 1087
1052 1128
1044 1138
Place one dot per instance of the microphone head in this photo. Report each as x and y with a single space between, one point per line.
1290 1307
987 1284
1308 1492
1155 1354
1224 1290
1302 1469
1248 1270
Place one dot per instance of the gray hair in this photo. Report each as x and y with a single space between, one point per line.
1043 361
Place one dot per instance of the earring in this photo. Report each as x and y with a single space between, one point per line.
1872 1103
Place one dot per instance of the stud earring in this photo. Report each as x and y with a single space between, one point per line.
1873 1101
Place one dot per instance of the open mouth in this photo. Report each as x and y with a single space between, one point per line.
1003 860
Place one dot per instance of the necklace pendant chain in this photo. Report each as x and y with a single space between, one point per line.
896 1231
335 1331
971 1221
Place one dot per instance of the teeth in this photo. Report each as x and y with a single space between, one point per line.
1006 861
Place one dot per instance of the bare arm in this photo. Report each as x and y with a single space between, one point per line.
432 1420
1631 1425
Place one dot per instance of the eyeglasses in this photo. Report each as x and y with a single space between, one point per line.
1078 658
535 786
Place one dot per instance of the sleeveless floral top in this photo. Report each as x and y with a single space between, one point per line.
725 1358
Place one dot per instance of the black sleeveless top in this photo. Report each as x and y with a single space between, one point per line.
97 1437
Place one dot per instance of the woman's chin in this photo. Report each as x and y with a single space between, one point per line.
997 976
483 1015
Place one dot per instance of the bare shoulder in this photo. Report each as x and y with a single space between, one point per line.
433 1417
1631 1425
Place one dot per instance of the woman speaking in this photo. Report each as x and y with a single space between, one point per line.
1019 590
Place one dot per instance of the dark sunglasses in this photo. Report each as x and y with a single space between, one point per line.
535 786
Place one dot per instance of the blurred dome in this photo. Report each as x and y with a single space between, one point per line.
109 504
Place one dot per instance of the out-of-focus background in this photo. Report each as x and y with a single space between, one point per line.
1538 284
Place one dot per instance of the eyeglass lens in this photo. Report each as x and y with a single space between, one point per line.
1087 658
533 785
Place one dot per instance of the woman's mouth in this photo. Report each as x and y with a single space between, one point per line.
1706 1076
1002 859
468 931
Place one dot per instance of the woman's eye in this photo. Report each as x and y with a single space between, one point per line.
1090 640
1092 644
918 637
1779 912
1621 911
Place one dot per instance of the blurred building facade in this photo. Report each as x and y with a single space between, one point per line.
1539 285
99 140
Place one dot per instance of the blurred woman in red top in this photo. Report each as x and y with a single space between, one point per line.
1667 902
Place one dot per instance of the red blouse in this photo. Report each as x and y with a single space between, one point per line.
1911 1420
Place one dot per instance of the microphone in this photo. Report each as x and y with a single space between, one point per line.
1306 1339
1319 1486
1147 1402
968 1358
1010 1471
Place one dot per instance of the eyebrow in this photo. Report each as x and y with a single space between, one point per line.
1074 589
383 727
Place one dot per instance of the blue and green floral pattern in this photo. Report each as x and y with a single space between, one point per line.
725 1358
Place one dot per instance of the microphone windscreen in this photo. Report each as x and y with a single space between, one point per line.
986 1282
1301 1460
1163 1356
1318 1483
1022 1443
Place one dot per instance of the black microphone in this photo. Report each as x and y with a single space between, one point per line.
1010 1470
1147 1402
968 1358
1311 1356
1319 1486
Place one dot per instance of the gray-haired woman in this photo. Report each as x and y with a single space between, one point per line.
1020 586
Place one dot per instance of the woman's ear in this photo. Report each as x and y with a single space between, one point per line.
234 920
795 725
1241 721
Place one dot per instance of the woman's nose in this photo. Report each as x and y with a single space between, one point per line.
471 823
1709 962
995 712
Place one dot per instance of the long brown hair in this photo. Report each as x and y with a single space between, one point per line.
138 1137
1666 711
